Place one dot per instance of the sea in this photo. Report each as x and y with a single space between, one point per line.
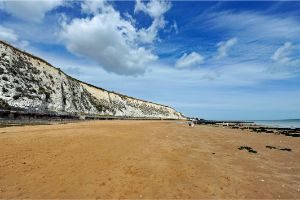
285 123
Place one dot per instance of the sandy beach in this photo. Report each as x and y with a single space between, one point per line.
145 159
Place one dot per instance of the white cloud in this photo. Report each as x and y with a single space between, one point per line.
189 60
9 35
156 10
29 10
175 27
95 6
282 53
109 39
224 47
284 60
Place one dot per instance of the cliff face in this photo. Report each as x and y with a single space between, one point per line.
31 84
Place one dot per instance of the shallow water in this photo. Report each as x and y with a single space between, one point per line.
287 123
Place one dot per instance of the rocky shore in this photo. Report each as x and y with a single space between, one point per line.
242 125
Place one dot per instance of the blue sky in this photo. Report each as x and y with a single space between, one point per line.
214 60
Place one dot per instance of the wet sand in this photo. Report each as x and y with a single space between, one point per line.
145 159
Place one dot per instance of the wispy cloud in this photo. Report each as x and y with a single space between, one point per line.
258 33
189 60
254 24
9 35
175 27
283 55
285 60
224 47
29 10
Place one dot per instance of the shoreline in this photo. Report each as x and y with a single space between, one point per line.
253 127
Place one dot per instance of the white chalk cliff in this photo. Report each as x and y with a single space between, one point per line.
31 84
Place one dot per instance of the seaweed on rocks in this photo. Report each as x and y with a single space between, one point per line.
249 149
279 148
270 147
285 149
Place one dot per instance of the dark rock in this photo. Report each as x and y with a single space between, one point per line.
270 147
249 149
285 149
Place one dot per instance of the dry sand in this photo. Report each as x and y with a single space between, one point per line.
145 159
